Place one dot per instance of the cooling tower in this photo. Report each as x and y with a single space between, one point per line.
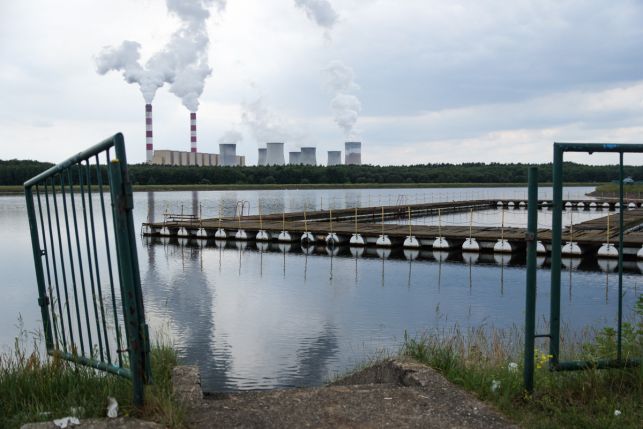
309 156
227 154
149 144
275 154
193 132
353 153
334 157
262 156
294 158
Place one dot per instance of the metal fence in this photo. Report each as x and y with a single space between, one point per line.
556 364
89 287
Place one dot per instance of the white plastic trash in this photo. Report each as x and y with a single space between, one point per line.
112 407
66 422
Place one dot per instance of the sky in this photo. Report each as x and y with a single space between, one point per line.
416 81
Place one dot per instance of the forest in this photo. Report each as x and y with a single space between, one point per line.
16 172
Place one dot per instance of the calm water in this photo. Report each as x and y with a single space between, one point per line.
254 317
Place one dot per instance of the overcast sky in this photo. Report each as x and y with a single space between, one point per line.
437 81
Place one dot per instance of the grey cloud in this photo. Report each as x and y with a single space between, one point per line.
320 11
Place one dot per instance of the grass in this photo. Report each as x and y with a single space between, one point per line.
41 388
480 358
634 190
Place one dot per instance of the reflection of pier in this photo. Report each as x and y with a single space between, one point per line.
341 225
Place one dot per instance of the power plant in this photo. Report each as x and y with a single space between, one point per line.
294 158
275 154
353 153
334 157
308 156
149 144
272 154
227 154
263 156
193 132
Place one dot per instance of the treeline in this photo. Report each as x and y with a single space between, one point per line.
16 172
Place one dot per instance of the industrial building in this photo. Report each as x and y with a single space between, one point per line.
353 153
294 158
175 157
309 155
275 154
263 156
334 157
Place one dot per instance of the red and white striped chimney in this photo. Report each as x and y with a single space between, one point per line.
149 145
193 131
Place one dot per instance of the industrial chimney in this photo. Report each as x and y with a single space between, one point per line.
262 156
193 132
227 154
309 156
149 144
334 157
353 153
275 154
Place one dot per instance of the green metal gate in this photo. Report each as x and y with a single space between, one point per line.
555 363
89 287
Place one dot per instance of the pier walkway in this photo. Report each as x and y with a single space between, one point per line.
342 226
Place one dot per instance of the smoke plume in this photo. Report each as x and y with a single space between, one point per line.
264 124
182 63
346 107
231 136
320 11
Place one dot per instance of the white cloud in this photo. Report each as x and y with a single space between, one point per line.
439 81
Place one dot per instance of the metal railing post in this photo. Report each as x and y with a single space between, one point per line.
135 340
556 244
530 295
43 299
619 354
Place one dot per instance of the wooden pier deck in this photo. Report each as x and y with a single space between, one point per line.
589 235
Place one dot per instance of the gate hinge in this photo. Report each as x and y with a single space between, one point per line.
44 301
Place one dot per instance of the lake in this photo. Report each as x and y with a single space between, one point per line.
255 317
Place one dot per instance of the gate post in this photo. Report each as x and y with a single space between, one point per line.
530 295
556 244
137 338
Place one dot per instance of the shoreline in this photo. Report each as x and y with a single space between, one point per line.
18 189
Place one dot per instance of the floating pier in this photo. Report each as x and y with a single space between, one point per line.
366 226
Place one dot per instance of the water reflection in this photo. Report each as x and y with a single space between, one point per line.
240 312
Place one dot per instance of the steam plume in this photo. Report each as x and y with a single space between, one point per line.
346 107
264 124
231 136
320 11
182 63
